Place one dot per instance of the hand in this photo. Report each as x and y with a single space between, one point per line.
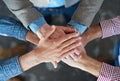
31 37
60 30
76 59
53 50
83 62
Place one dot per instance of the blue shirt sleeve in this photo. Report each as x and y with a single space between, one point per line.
9 68
80 27
12 28
38 23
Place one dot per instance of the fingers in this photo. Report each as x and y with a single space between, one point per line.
69 57
70 47
49 33
67 54
68 30
45 31
55 64
65 38
74 56
69 42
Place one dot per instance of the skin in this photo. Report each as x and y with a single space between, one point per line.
42 32
50 50
82 60
79 58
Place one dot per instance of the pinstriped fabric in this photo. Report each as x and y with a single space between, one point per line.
105 73
110 27
109 73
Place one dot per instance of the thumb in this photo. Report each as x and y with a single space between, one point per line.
44 31
69 30
49 33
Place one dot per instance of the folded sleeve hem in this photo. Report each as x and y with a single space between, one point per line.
80 27
38 23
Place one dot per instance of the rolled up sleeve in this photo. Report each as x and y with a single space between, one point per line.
9 68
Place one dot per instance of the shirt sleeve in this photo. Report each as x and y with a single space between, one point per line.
110 27
86 11
78 26
109 73
12 28
24 10
36 24
9 68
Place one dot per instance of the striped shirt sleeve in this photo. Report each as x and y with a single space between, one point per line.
110 27
109 73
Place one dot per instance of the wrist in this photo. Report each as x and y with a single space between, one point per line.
81 28
41 31
90 65
28 61
91 33
38 23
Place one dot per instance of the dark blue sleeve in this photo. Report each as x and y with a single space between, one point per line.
9 68
12 28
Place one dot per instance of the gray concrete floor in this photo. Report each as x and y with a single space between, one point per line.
95 49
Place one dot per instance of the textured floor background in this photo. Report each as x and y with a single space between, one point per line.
97 48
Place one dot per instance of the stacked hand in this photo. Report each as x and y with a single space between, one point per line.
57 43
53 50
62 43
75 60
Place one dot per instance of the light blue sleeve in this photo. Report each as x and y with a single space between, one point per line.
12 28
9 68
79 26
38 23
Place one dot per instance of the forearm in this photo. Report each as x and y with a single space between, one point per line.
24 11
92 33
12 28
90 65
28 60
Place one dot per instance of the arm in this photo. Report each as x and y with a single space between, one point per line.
9 68
103 71
23 10
85 13
82 61
105 29
43 53
12 28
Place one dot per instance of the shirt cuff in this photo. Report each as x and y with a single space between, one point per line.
80 27
110 27
10 68
38 23
109 73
